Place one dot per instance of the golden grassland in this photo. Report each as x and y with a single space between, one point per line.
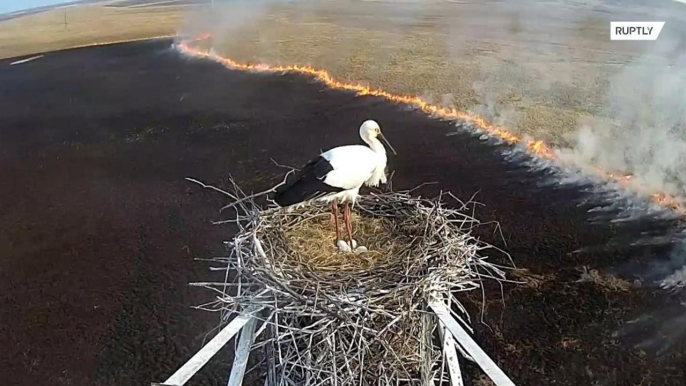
86 24
538 75
539 80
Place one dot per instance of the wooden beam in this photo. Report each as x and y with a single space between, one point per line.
270 351
182 375
240 359
450 353
480 357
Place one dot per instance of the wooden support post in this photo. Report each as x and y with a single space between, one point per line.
270 351
182 375
498 377
450 354
240 359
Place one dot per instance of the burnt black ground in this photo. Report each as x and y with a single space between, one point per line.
99 229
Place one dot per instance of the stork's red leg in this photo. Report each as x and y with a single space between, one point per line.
348 227
334 209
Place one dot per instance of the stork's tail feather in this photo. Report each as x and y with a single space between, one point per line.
308 184
300 190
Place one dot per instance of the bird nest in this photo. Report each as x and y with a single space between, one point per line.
337 318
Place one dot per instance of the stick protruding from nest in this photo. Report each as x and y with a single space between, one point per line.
334 318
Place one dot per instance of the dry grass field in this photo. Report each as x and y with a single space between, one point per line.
103 233
86 24
538 68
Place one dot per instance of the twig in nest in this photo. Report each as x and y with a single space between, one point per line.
350 319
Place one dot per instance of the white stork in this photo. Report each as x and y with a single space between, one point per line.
337 175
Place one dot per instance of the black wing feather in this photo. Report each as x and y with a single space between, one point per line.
307 184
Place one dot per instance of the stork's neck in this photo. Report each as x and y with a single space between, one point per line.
376 145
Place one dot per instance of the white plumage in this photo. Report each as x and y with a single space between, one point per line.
337 175
353 166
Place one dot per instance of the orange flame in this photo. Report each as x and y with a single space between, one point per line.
540 149
536 147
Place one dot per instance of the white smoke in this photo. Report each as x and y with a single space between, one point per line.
223 18
643 131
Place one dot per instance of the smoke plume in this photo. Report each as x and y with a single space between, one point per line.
642 128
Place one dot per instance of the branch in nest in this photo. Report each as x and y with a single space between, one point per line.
353 319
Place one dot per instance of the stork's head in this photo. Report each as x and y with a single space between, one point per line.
370 131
